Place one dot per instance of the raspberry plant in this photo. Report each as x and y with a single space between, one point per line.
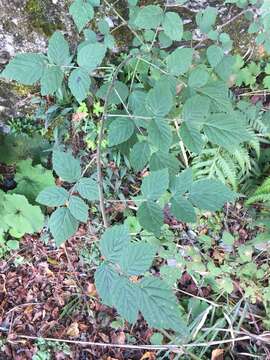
175 104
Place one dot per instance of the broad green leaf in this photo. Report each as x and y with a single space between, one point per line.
173 26
191 137
137 258
164 40
198 78
149 17
66 166
182 209
125 299
79 83
182 182
196 110
205 19
27 69
137 102
150 217
106 279
51 80
53 196
113 241
155 184
159 305
160 134
21 216
163 160
179 61
140 155
159 100
170 274
226 130
218 92
120 130
81 12
62 225
78 208
103 26
214 55
58 50
91 56
88 189
109 41
118 94
209 194
225 68
31 179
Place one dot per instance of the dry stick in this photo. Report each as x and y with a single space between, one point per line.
100 138
147 347
182 146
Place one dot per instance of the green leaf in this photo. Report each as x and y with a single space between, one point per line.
137 258
53 196
191 138
159 305
182 182
27 69
109 41
149 17
214 55
20 216
226 130
218 92
209 194
106 279
125 295
62 225
150 217
140 155
206 19
163 160
159 134
79 83
173 26
198 78
118 94
88 189
170 274
179 61
120 130
66 166
155 184
82 12
196 110
51 80
90 56
159 100
58 50
182 209
103 26
113 242
78 208
31 179
225 68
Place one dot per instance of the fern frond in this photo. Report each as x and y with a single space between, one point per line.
262 193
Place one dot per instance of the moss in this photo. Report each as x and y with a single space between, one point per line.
37 11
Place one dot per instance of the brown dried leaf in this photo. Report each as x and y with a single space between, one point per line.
217 354
73 330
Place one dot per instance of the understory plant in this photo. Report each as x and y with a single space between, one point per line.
167 109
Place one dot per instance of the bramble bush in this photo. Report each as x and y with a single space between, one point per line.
167 106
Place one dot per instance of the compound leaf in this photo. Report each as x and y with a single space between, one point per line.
62 225
113 241
78 208
137 258
66 166
53 196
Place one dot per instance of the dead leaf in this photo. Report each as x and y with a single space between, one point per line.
217 354
149 355
73 330
119 338
91 290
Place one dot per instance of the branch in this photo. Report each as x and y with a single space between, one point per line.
100 138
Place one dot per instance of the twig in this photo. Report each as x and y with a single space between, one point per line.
182 146
232 19
100 138
145 347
